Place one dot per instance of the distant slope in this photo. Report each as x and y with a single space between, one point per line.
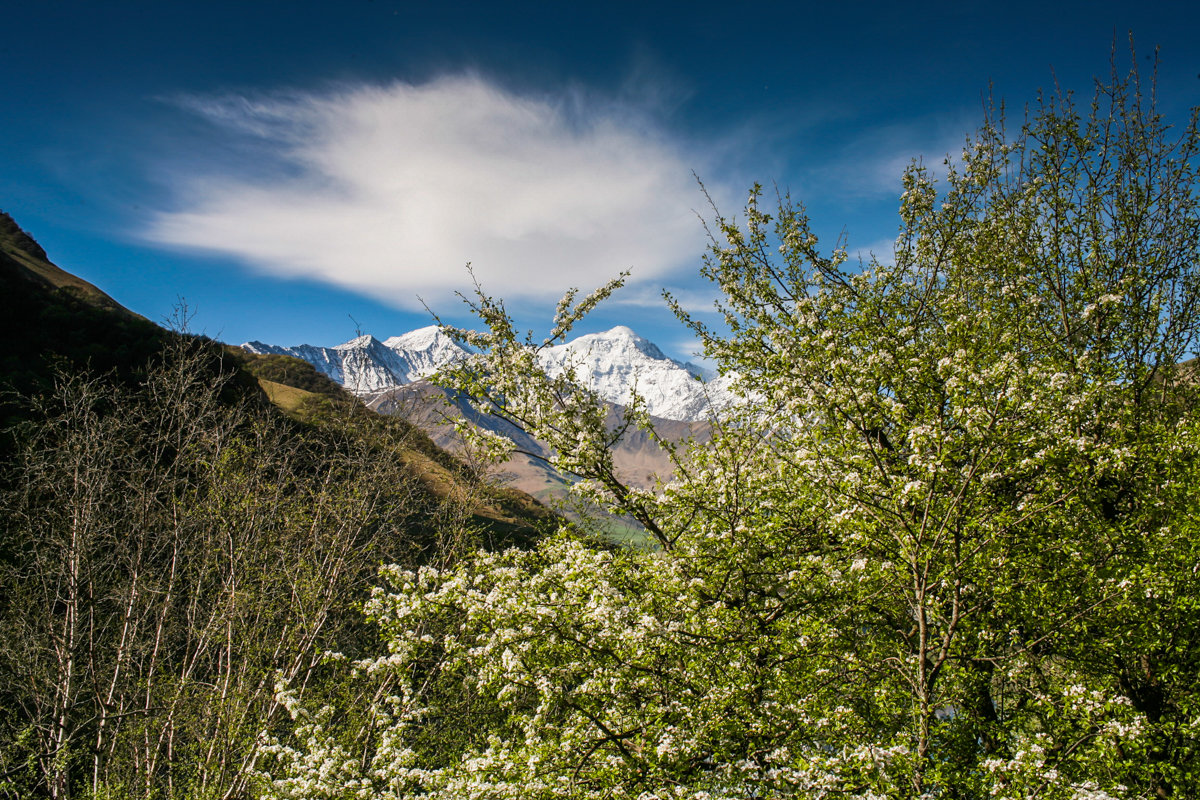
288 371
55 321
639 460
23 256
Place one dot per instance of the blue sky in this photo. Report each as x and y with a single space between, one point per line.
298 171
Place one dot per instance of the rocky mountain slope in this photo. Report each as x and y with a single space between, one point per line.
640 461
619 364
365 365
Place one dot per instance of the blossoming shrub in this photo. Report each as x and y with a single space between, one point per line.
944 548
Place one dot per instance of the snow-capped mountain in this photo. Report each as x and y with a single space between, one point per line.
364 365
425 350
614 364
617 363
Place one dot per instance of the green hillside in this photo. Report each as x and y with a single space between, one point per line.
54 318
181 525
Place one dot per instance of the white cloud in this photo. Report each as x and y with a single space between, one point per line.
391 190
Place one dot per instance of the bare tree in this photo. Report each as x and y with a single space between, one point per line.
168 553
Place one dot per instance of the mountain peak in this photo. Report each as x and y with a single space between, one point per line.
420 339
614 364
12 232
358 343
616 340
18 251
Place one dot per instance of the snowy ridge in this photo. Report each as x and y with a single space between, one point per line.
325 360
617 363
364 365
425 350
614 364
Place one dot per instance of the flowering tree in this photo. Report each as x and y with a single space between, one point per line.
945 547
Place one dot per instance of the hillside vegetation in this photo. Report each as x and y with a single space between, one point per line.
179 531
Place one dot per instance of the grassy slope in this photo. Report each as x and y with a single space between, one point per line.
500 509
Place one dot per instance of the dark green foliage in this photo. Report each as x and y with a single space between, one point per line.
42 327
332 398
54 323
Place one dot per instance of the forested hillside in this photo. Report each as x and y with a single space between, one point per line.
172 544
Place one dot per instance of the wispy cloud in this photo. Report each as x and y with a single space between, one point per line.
872 162
392 189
